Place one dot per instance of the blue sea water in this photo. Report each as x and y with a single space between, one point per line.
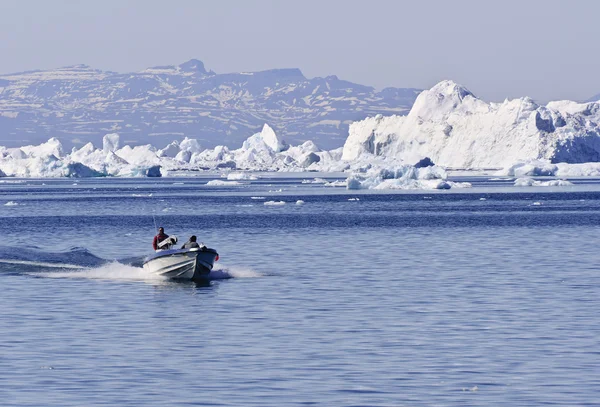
486 296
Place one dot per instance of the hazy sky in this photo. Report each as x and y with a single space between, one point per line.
496 48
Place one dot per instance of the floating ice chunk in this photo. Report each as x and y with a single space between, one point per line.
353 199
257 197
482 199
220 183
403 177
274 203
530 182
339 183
530 169
299 202
238 176
545 168
11 203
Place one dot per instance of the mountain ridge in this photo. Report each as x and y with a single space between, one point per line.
78 104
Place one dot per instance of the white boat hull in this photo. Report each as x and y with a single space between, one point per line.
185 264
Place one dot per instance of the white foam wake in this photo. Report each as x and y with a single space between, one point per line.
110 271
41 264
222 272
123 272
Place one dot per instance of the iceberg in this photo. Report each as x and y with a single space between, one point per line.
403 177
447 128
456 129
110 142
52 147
546 168
530 182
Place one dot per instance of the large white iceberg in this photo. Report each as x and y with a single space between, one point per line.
455 129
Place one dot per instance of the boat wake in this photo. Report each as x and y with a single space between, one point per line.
110 271
223 272
125 272
32 259
79 263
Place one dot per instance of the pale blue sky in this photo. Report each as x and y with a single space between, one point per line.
497 49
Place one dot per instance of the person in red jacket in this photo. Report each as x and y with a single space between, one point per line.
159 237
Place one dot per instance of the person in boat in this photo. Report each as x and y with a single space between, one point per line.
159 237
190 243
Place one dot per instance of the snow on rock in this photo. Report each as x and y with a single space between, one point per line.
456 129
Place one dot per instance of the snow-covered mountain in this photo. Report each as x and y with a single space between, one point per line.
454 128
163 103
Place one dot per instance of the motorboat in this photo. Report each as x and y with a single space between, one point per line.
186 264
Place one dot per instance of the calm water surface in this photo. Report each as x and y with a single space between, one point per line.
486 297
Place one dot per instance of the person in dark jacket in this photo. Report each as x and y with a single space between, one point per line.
159 237
190 243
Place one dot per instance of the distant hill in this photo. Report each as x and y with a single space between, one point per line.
78 104
595 98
